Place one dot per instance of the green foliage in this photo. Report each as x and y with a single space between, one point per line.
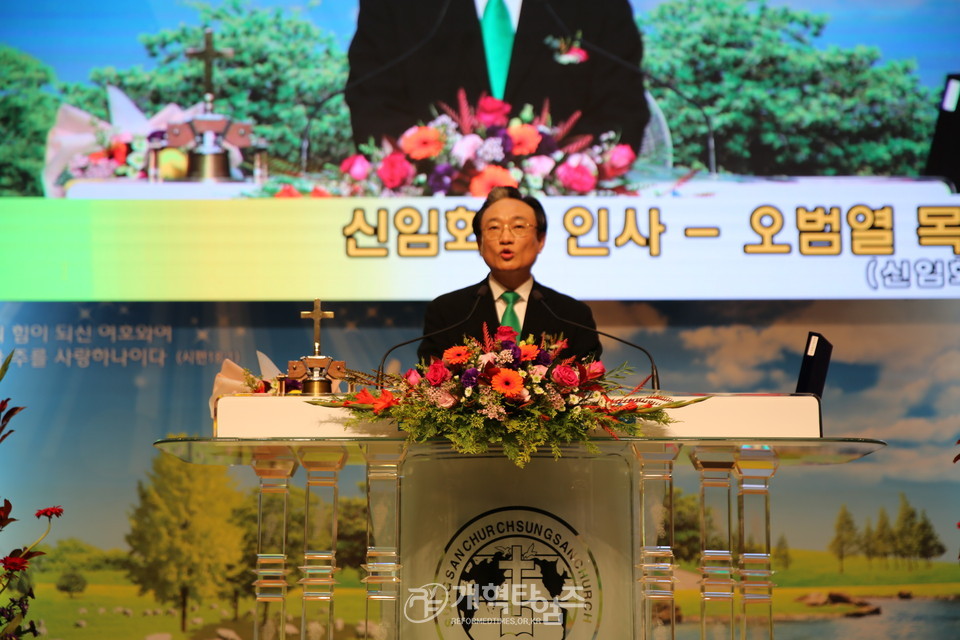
282 69
780 105
27 111
182 537
845 539
351 533
71 582
819 569
686 526
781 553
883 537
73 553
929 545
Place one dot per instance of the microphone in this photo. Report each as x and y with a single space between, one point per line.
482 290
711 143
537 296
305 141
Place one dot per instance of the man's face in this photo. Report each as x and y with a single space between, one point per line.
509 257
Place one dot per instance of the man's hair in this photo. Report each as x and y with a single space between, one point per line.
512 193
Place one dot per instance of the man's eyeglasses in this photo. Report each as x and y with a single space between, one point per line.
516 229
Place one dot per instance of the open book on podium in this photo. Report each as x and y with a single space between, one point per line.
721 416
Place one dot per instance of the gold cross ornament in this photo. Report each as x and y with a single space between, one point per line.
316 315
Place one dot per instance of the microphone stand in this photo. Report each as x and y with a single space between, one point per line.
654 372
711 144
482 290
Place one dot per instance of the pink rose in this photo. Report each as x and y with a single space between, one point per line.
565 376
505 333
492 112
412 377
537 372
438 373
617 161
445 400
396 170
465 149
356 166
578 173
539 166
595 370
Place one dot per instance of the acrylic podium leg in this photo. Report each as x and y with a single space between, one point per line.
755 467
656 606
383 540
717 583
322 465
274 467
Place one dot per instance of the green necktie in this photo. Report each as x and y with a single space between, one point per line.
497 44
510 318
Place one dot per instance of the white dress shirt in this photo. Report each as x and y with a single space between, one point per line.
513 8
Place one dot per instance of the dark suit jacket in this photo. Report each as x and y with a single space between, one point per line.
451 308
610 95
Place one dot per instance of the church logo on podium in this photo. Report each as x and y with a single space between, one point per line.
514 571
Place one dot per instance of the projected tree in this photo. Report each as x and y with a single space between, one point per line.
183 539
779 104
27 109
282 68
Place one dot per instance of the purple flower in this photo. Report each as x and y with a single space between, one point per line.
548 144
505 140
441 178
469 377
543 358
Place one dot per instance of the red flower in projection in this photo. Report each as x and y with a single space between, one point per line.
288 191
356 166
617 161
491 176
14 563
492 112
421 143
50 512
578 173
396 170
525 139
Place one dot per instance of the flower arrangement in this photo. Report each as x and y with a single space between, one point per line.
13 623
468 150
515 394
120 155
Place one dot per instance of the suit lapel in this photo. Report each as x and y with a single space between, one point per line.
529 49
475 78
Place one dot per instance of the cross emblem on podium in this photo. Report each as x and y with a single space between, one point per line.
317 314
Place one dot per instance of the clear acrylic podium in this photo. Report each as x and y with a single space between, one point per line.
474 547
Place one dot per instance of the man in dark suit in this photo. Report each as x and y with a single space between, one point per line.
511 230
407 55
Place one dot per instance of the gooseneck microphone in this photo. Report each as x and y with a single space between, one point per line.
482 290
654 373
590 46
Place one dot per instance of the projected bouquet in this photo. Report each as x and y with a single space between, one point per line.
469 150
516 395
